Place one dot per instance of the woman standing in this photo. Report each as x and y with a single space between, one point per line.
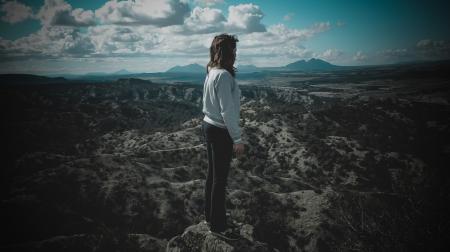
220 127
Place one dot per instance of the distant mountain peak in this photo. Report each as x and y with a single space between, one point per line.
311 64
121 72
191 68
300 65
247 68
250 65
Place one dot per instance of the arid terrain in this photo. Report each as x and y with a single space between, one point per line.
351 160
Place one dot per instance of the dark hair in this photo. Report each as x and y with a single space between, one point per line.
221 53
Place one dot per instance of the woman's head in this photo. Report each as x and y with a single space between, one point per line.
222 52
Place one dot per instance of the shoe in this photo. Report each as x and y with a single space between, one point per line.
204 222
233 224
228 234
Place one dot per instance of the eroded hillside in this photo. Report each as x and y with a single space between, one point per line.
328 167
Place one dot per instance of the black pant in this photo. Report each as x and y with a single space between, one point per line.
219 151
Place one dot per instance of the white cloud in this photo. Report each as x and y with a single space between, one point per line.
245 18
49 42
433 49
132 41
330 54
340 23
205 20
321 27
279 45
167 39
280 36
395 54
429 44
143 12
5 46
288 17
360 56
425 49
209 2
277 42
242 19
110 40
15 12
60 13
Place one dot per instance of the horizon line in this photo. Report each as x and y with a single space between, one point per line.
53 75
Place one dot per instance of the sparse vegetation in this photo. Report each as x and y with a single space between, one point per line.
339 172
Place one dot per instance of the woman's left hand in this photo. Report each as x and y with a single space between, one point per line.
239 149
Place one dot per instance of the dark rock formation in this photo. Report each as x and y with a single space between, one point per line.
196 238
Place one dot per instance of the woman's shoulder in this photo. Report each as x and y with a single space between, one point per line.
219 72
216 68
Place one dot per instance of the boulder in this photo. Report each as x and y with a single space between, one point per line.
196 238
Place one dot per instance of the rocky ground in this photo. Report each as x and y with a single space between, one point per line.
356 165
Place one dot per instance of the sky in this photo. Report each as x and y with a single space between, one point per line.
84 36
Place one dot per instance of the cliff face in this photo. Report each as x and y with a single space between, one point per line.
121 167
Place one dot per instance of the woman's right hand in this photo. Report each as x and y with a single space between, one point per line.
239 149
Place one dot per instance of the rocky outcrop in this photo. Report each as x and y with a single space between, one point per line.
196 238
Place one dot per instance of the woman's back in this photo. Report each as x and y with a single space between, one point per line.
221 101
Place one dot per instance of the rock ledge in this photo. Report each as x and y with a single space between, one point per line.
196 238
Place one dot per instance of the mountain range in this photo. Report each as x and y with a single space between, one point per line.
191 68
120 72
300 65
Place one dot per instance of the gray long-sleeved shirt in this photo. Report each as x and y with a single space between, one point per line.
221 102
